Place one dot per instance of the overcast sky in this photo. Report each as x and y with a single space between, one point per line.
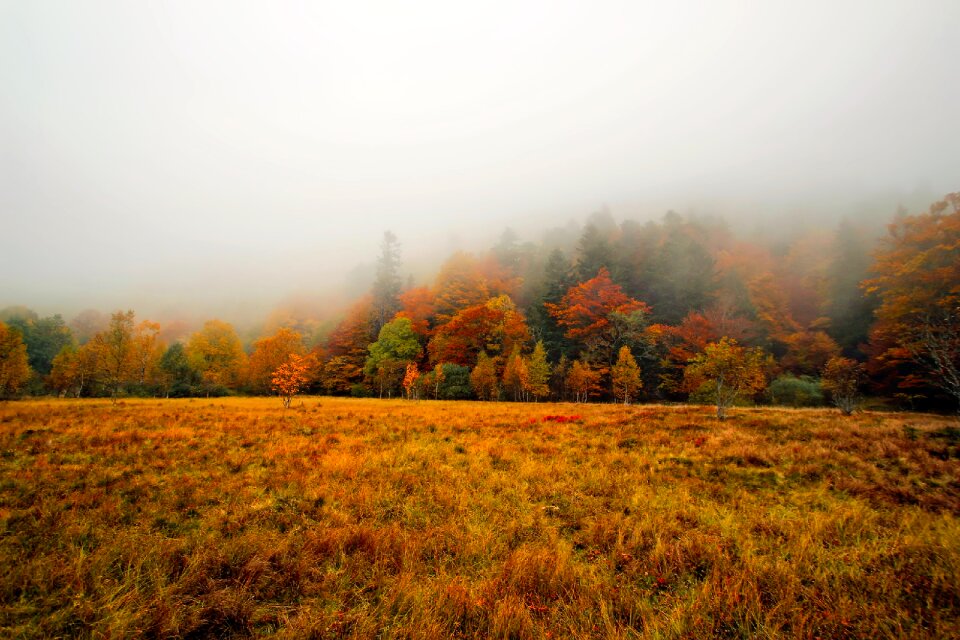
232 150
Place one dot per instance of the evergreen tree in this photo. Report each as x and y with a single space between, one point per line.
849 310
682 278
507 251
387 286
593 253
558 278
179 378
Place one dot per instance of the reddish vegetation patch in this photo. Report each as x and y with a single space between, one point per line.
562 419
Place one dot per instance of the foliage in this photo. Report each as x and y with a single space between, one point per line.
410 381
808 352
215 352
460 284
115 347
269 352
397 341
516 376
538 373
14 366
731 371
584 312
849 310
625 376
179 378
291 377
44 337
417 304
147 352
483 378
583 381
495 327
386 287
341 375
454 382
396 346
348 347
841 379
918 285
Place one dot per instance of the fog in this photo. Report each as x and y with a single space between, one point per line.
221 157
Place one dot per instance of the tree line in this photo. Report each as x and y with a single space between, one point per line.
679 309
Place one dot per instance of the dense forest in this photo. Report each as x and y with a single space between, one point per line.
681 309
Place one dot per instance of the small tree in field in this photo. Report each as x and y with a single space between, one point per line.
730 371
410 380
291 377
625 376
841 379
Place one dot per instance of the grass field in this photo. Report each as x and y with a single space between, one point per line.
366 518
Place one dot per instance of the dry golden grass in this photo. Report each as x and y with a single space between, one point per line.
393 519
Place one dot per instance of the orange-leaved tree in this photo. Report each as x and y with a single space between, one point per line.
418 304
496 327
583 380
410 380
292 377
347 348
483 378
268 354
918 283
599 315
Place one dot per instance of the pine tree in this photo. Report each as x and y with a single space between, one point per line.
387 286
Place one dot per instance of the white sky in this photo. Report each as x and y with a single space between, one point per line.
225 151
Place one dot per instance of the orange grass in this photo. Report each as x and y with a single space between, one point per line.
396 519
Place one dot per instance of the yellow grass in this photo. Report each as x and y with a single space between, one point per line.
367 518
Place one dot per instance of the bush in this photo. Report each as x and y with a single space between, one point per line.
791 391
359 390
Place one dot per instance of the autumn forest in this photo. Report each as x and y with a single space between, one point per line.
681 309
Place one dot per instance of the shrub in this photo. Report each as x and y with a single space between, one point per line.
793 391
359 390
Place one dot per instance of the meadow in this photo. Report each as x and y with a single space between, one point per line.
398 519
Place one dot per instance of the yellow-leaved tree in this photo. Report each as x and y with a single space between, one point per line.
625 376
215 351
727 371
14 367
